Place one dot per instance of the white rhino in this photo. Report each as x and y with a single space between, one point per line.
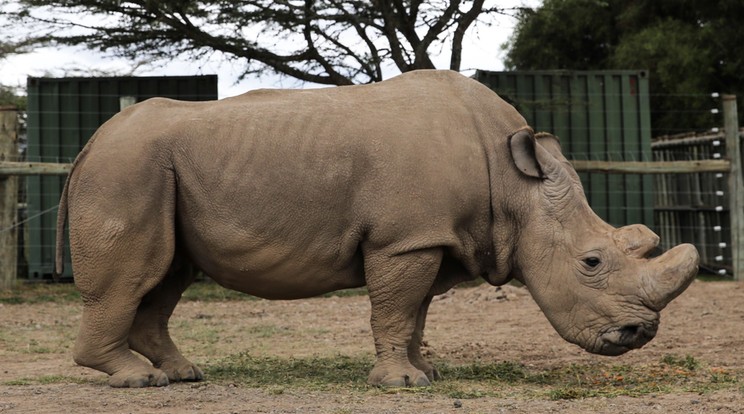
408 186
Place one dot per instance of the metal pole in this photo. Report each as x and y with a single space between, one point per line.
735 184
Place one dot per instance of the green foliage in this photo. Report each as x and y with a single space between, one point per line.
10 96
579 35
691 47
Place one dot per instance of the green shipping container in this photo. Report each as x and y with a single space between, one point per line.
597 115
63 113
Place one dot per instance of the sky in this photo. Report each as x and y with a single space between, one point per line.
480 51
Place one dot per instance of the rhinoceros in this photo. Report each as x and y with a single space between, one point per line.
408 186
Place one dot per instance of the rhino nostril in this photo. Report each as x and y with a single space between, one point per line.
629 332
655 252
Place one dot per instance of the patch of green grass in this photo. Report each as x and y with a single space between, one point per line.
20 381
46 380
507 372
361 291
565 393
208 291
205 291
33 347
671 374
266 331
712 277
32 293
271 372
202 290
689 363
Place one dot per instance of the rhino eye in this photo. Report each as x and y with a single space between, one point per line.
592 262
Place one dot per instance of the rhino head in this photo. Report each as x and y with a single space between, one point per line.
596 284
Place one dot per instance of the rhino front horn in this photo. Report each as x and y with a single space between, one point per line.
670 274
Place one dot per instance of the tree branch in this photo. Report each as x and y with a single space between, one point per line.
463 23
331 42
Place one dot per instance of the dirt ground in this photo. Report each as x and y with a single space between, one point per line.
471 324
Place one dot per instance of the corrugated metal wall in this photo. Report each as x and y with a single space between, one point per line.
598 115
63 113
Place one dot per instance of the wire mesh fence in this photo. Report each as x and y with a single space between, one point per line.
694 207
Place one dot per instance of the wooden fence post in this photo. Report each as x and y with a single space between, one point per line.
8 199
735 184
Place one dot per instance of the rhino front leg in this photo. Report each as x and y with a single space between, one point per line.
398 287
414 348
149 334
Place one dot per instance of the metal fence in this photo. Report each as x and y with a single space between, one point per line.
63 113
598 116
695 207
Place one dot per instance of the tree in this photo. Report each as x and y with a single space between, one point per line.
334 42
10 95
8 48
562 34
691 48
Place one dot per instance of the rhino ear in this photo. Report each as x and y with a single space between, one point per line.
551 143
522 146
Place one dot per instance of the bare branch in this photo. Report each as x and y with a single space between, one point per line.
333 42
463 23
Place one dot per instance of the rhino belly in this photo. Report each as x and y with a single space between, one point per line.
275 269
286 280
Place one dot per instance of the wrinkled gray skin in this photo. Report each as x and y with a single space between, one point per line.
408 186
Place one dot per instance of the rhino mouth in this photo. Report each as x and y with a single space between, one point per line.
621 339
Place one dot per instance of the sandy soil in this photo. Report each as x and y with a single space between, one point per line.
471 324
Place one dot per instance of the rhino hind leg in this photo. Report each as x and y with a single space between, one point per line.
417 339
107 349
398 288
119 255
149 334
102 343
110 305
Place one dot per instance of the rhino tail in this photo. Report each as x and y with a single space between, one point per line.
59 254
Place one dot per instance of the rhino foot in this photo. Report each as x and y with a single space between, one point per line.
431 373
396 377
186 371
128 379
